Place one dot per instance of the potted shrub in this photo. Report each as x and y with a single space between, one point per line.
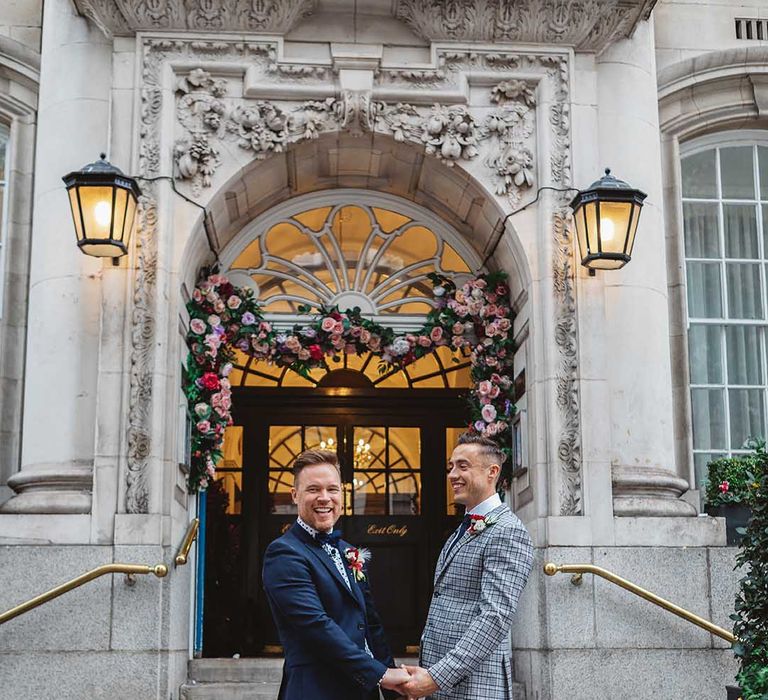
728 488
751 609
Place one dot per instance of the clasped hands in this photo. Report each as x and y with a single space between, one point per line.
410 681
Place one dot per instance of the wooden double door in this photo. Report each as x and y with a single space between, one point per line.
392 446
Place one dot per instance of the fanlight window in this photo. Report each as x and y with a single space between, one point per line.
347 255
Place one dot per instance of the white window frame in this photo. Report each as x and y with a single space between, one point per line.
727 139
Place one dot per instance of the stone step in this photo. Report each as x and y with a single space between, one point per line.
236 670
229 691
251 679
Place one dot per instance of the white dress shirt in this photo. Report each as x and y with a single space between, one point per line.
486 506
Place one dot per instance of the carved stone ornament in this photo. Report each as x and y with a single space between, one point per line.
211 112
126 17
450 133
589 25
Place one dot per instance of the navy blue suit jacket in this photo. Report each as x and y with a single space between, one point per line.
322 624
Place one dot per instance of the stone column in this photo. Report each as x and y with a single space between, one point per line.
65 288
636 332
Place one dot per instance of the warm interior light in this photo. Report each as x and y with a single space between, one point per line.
607 229
102 212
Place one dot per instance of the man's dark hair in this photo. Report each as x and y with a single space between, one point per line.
310 458
488 448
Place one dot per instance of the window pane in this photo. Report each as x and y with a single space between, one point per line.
704 354
704 292
702 239
744 357
279 492
370 493
744 291
699 175
762 155
736 173
404 493
740 222
708 409
747 415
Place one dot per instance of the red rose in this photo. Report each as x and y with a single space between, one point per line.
210 381
315 352
336 316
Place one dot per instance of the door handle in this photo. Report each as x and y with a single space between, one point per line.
347 487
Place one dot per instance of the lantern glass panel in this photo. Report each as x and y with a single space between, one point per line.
130 217
614 225
75 206
581 231
633 228
96 203
590 214
118 231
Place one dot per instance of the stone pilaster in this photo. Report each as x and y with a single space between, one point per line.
636 332
60 405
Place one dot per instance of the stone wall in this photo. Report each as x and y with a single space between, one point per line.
21 21
104 640
596 640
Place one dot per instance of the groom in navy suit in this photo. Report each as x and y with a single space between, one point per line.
317 587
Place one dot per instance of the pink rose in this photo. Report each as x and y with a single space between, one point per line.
424 341
338 327
198 326
304 354
458 328
203 426
495 391
436 334
234 302
265 327
375 343
488 413
219 306
480 284
484 388
328 324
365 336
197 295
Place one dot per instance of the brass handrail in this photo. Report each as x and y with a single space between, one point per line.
158 570
186 543
577 570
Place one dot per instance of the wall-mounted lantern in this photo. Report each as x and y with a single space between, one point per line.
606 217
103 202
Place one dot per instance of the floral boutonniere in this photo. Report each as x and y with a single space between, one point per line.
357 559
480 523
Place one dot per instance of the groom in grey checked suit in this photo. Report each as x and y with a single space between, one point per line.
481 572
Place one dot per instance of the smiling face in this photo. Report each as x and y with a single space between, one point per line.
472 475
317 493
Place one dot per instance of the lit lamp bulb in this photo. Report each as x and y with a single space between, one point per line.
607 229
102 212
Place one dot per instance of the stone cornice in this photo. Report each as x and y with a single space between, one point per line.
587 25
126 17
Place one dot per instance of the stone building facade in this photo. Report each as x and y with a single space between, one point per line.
474 119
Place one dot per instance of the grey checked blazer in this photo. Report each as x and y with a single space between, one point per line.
465 644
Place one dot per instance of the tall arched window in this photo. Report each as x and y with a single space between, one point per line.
351 248
725 217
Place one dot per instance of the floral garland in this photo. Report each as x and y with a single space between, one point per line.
224 318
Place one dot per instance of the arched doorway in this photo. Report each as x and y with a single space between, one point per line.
391 429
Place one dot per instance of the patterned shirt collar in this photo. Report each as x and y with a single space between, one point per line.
309 528
486 506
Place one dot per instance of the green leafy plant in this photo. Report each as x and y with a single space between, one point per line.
732 480
751 609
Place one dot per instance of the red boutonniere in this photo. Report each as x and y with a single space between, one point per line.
480 523
357 558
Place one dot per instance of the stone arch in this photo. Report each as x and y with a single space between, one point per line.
374 162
